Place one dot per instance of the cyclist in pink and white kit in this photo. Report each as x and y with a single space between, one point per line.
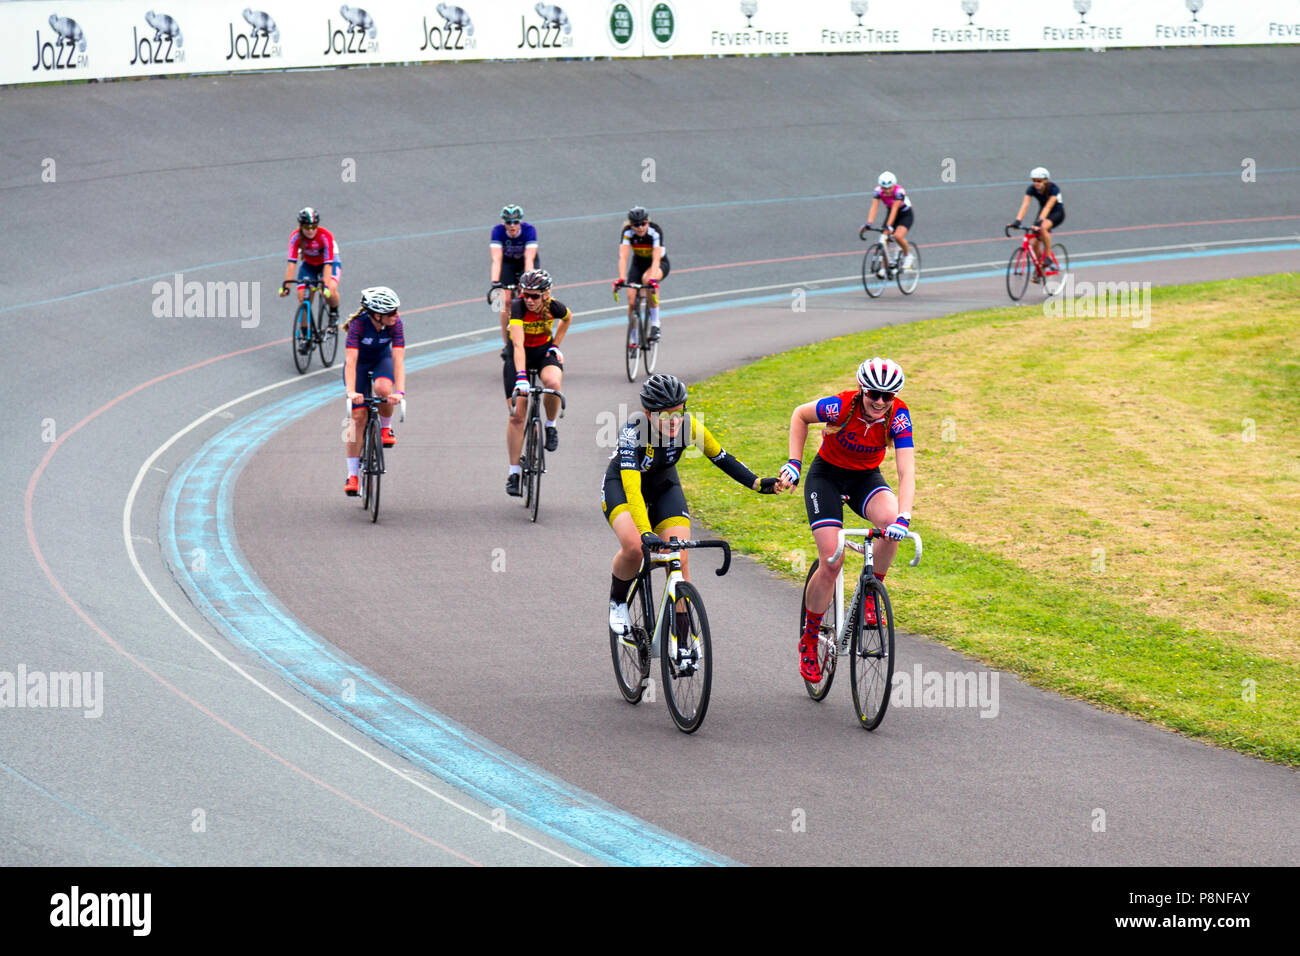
898 215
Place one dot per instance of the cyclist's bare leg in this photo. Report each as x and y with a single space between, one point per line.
551 378
1046 230
822 586
900 235
628 560
355 429
515 429
882 510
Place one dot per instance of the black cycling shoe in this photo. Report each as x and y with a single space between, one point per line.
334 315
654 333
552 438
512 486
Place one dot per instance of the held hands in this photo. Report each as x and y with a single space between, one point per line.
790 472
898 530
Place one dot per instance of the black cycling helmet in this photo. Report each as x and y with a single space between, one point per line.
512 213
662 391
538 280
637 214
308 216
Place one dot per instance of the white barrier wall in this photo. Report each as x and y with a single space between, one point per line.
44 40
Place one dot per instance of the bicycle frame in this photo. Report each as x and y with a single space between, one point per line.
863 547
673 560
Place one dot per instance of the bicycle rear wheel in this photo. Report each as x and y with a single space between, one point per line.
687 657
300 340
1019 269
632 351
537 466
651 347
873 270
376 469
908 278
1057 265
526 461
872 655
826 650
632 653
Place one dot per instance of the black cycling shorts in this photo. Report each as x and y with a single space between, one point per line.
535 359
826 486
1056 216
665 501
904 219
637 267
512 269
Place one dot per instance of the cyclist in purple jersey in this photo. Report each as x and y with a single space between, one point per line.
1051 209
513 248
898 214
376 344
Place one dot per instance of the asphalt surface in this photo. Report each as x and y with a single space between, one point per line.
753 160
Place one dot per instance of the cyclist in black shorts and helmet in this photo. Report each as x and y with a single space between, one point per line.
513 247
642 257
1051 209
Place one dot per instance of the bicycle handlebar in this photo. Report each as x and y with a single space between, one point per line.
1006 230
676 544
537 389
869 534
623 284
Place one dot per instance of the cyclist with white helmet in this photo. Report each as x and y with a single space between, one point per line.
534 346
642 496
319 253
642 257
513 248
861 423
898 212
376 344
1051 209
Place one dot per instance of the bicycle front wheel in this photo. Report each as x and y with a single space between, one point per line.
826 649
366 436
871 660
909 277
1055 268
329 339
687 657
376 469
873 270
537 465
1019 269
632 351
651 347
632 653
300 340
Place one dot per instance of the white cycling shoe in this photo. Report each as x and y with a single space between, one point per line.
620 622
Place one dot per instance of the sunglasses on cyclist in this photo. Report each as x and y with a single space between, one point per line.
673 416
512 222
530 295
1038 180
875 396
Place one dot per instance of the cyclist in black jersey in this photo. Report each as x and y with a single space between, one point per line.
642 257
642 496
1051 209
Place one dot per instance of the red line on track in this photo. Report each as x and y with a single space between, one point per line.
58 587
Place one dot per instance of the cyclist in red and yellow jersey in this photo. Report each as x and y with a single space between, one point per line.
534 346
860 425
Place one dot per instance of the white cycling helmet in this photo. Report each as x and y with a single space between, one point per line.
1039 172
886 180
379 299
881 375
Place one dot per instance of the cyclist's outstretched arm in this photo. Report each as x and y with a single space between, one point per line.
703 439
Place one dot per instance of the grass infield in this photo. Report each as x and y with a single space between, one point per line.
1110 505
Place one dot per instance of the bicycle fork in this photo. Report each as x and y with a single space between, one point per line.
683 649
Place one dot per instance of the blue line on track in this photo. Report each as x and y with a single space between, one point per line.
197 514
82 813
615 214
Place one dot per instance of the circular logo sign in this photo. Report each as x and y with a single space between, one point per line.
663 23
620 24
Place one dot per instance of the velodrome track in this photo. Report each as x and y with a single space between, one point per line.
211 751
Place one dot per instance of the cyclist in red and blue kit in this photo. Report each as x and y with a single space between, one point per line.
861 423
376 345
319 254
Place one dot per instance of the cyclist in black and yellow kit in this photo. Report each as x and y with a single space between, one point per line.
641 258
642 495
534 346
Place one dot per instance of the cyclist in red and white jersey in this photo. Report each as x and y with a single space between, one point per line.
898 211
314 254
861 423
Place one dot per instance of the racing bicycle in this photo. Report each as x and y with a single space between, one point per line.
884 261
870 649
311 328
372 453
1026 264
681 639
638 330
533 458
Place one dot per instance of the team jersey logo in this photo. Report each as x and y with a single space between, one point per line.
901 422
833 409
